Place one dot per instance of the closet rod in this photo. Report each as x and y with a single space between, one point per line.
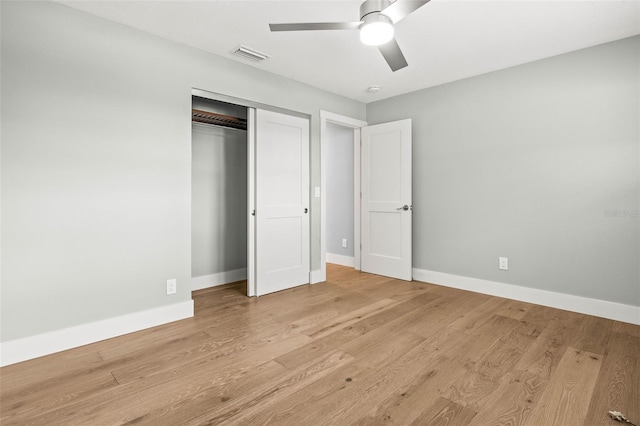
217 125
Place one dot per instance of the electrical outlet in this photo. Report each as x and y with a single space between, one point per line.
171 286
503 263
344 243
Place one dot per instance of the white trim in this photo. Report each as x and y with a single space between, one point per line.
357 199
31 347
251 202
317 276
568 302
342 120
339 259
329 117
221 278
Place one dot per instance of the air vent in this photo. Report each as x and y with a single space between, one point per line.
248 53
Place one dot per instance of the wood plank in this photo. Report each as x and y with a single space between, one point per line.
26 373
320 304
52 394
566 400
512 402
515 309
339 337
272 341
592 334
626 328
323 328
283 410
539 314
420 302
124 401
394 289
374 348
452 305
407 403
618 385
446 413
265 395
314 349
216 395
453 355
337 406
477 315
157 358
485 376
543 356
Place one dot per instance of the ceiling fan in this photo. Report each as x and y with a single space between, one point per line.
377 18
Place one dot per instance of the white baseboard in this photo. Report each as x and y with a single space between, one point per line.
567 302
317 276
221 278
340 260
19 350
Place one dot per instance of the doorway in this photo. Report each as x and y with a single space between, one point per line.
337 129
250 196
382 205
218 193
340 195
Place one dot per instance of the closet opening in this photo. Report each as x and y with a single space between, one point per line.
340 198
249 195
219 150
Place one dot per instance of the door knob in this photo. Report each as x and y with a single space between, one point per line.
405 208
306 210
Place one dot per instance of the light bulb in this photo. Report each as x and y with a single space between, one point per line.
376 30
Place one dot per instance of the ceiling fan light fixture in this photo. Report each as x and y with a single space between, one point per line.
376 30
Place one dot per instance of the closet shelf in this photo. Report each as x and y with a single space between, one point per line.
207 117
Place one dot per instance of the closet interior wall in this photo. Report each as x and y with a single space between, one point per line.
218 197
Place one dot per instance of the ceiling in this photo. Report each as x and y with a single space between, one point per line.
443 41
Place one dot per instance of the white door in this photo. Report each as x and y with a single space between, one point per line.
386 199
282 201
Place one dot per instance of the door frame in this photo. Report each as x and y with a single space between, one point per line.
355 124
251 105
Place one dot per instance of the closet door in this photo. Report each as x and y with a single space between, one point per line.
282 202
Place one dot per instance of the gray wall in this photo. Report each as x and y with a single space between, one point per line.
339 189
529 163
96 163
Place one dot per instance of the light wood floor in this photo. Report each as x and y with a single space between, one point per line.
359 349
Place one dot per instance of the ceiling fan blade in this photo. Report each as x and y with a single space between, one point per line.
314 26
393 55
401 8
